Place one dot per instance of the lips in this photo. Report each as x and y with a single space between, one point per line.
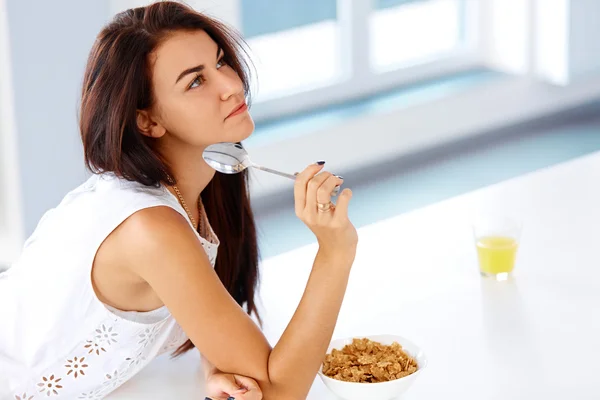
238 110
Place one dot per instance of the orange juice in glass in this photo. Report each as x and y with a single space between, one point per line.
497 241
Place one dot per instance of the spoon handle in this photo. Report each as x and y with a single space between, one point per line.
290 176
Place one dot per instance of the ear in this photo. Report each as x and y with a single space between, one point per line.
148 126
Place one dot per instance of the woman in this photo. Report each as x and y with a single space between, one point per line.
128 266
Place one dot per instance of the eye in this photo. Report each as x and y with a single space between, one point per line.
221 63
196 82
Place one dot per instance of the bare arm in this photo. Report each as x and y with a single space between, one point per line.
158 245
328 287
305 340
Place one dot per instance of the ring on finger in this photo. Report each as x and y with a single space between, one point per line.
324 207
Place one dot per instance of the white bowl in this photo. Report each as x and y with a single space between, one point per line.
382 390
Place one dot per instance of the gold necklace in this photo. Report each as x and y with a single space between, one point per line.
187 210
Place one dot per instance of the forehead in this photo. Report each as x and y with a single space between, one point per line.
182 50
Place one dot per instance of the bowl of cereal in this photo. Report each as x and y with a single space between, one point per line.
369 367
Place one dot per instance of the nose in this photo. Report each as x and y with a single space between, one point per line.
229 85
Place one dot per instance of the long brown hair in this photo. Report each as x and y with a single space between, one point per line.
117 83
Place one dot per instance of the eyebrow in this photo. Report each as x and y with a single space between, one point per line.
197 68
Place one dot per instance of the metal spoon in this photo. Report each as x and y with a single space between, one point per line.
232 158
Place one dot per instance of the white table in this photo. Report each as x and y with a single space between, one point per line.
536 337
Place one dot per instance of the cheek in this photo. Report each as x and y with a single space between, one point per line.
190 116
193 120
202 116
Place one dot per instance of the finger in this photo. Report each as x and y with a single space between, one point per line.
254 392
302 180
228 384
343 201
215 397
324 192
246 382
313 186
250 395
225 397
309 171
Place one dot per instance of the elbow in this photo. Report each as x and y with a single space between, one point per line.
279 385
283 391
281 395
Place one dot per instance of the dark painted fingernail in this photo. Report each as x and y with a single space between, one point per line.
296 173
341 177
207 398
231 398
321 162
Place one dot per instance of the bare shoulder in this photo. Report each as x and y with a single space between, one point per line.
153 223
139 245
152 236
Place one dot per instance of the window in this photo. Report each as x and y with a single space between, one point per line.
402 34
295 44
314 53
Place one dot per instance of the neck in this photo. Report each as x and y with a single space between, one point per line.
192 175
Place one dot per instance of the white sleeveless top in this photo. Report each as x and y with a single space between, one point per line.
57 339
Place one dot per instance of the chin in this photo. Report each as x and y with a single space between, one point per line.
242 131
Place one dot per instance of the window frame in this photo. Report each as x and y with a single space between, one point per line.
353 19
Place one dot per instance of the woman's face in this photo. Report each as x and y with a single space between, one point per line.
197 95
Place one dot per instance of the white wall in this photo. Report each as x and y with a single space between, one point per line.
49 43
11 224
584 31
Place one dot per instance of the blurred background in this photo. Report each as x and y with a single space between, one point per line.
412 101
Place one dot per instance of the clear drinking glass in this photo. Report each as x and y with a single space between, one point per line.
497 240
